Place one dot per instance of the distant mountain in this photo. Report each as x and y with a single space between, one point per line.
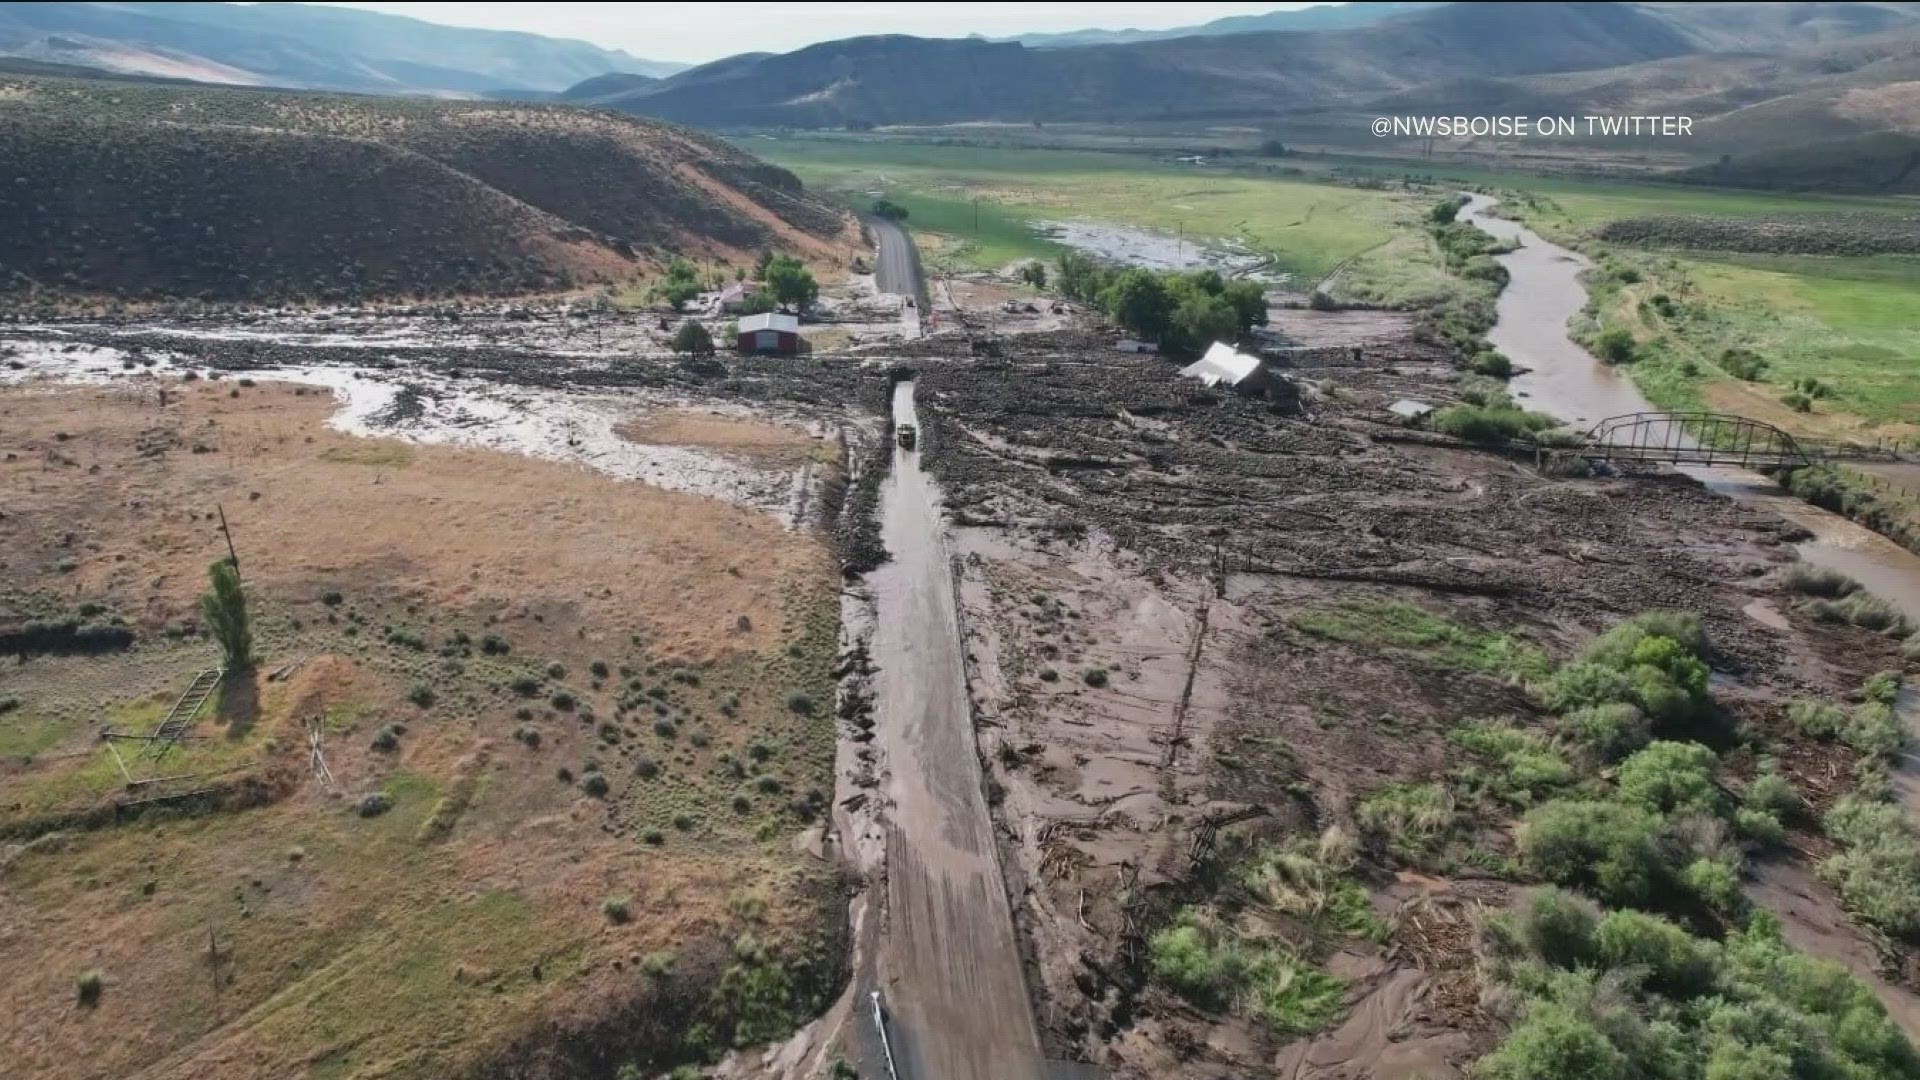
303 46
606 86
906 80
143 190
1319 17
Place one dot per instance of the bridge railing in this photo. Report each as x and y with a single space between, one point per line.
1694 438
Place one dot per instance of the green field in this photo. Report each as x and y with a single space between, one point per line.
980 204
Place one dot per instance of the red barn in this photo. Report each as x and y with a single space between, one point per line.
772 332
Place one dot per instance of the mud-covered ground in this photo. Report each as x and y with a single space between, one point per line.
1112 518
1108 517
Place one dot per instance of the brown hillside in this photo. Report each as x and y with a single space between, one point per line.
147 191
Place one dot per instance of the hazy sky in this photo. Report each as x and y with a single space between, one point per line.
700 32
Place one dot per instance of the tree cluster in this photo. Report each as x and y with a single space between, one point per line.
1184 312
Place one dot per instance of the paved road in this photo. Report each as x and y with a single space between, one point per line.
898 268
948 963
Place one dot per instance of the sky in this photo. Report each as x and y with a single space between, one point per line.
697 32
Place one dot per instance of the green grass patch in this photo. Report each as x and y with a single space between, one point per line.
1390 624
1307 227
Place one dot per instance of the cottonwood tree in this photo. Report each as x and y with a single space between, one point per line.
224 607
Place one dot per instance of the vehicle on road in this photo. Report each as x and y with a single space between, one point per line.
908 435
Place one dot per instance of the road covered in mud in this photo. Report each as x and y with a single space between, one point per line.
949 965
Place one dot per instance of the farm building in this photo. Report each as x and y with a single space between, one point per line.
773 332
1246 375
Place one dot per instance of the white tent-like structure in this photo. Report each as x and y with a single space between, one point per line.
1222 364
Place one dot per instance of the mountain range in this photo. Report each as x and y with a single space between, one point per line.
1752 75
1318 17
305 46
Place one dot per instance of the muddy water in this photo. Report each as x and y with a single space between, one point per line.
1563 379
949 965
1130 246
574 427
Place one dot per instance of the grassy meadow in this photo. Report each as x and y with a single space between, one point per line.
977 207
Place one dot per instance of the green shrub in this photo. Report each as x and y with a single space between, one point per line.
387 738
1557 926
1608 848
374 803
88 987
1615 346
595 784
1875 731
1095 677
1877 871
421 695
800 702
1587 685
1215 969
1816 719
1552 1043
1492 363
1192 960
1611 730
1716 882
1480 424
1675 961
617 909
1527 765
1809 579
1882 687
1670 776
1861 609
1772 793
1409 818
1743 364
1760 826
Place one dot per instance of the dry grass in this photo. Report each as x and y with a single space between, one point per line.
405 943
763 443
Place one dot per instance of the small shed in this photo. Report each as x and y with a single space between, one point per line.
773 332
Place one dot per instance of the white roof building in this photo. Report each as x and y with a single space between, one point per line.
772 320
1222 364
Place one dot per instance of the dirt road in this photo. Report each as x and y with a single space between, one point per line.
949 966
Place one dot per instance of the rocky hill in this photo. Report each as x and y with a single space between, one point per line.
145 190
